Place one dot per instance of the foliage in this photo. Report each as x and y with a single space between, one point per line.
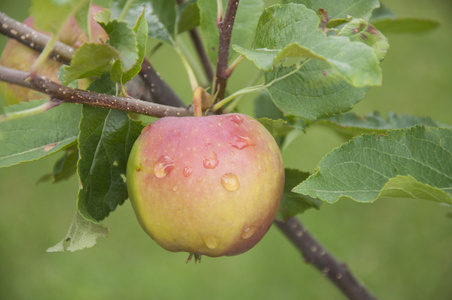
315 66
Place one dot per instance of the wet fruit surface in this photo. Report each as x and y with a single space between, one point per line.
206 185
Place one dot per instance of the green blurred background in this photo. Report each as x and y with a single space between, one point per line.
398 249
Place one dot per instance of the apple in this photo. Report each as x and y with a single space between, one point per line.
20 57
206 185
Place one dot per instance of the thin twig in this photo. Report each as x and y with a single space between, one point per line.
202 54
161 92
314 253
67 94
223 48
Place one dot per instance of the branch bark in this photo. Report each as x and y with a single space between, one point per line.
34 39
223 48
70 95
202 54
314 253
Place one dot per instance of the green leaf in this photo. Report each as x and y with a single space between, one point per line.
265 108
343 8
104 85
82 234
34 137
315 90
406 187
105 140
160 16
50 15
187 16
413 163
141 35
350 124
382 12
405 25
360 30
277 128
292 203
293 31
64 167
121 37
245 22
90 60
387 22
82 16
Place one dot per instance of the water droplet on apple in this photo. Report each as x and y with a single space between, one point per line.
210 161
248 232
237 119
241 142
163 166
211 242
174 188
187 171
230 182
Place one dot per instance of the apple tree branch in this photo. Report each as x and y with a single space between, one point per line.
160 91
71 95
226 26
314 253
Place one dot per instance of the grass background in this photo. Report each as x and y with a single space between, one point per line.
399 249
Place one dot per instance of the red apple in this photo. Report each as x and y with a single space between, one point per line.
20 57
206 185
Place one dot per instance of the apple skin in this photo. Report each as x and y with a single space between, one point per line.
20 57
206 185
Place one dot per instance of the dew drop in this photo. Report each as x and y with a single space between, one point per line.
230 182
187 171
163 166
248 232
237 119
211 242
241 142
210 161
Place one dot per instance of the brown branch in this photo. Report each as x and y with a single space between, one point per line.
160 91
202 54
223 48
33 39
314 253
67 94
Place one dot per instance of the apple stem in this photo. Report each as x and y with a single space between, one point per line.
197 101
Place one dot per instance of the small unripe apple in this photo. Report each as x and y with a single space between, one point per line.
206 185
20 57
